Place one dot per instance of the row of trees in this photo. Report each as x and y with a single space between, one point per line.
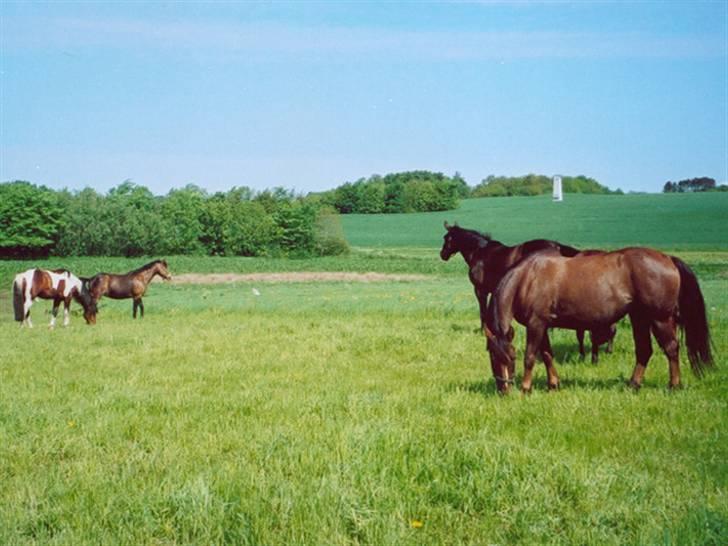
702 183
536 184
130 221
413 191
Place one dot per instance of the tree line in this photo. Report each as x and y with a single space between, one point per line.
536 184
412 191
687 185
130 221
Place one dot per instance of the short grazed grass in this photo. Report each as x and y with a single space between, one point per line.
341 413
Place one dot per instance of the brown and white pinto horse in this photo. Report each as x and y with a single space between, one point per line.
657 291
128 285
58 285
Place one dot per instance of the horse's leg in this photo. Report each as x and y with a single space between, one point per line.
141 308
66 311
548 360
642 348
610 343
134 307
26 312
534 335
482 298
54 312
595 347
666 334
580 339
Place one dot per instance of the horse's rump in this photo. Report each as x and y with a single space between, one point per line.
19 287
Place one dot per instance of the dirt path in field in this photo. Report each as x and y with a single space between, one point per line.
297 276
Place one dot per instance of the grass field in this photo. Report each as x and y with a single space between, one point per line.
346 413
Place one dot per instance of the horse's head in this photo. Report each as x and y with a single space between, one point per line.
162 270
84 297
450 241
502 358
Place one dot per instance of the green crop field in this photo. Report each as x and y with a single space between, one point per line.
361 413
670 221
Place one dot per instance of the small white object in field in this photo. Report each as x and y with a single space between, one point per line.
256 292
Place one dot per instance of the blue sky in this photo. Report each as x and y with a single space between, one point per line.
308 95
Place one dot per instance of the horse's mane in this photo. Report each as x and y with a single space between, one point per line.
145 267
474 236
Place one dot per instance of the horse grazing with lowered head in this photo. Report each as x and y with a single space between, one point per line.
58 285
659 293
489 260
128 285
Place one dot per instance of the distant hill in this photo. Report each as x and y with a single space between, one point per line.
687 221
536 184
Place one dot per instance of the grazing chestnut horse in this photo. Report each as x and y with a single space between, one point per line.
658 292
129 285
58 285
489 260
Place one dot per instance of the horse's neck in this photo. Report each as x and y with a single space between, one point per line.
148 275
470 251
479 254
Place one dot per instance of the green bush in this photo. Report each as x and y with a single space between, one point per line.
31 218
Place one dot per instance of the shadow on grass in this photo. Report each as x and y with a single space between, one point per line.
486 387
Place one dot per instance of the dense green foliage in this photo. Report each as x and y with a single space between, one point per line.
669 221
343 414
131 221
536 184
702 183
413 191
31 219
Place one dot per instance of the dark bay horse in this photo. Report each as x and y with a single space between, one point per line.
658 292
128 285
58 285
489 260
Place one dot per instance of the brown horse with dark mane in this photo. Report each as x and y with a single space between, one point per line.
489 260
129 285
659 293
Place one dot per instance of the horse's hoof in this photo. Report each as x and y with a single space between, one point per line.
675 387
554 387
634 385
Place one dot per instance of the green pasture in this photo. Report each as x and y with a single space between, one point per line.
347 413
697 221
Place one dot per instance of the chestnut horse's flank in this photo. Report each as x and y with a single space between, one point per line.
658 292
58 285
128 285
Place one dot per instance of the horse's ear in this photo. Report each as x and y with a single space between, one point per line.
456 224
447 226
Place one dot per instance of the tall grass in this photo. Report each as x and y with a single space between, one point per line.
344 414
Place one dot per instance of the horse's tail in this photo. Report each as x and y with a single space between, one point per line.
499 316
18 298
693 319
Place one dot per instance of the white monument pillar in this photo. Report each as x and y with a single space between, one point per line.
558 195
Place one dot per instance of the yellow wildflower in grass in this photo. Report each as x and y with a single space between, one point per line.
416 524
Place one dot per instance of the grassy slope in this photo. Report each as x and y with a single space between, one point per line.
670 221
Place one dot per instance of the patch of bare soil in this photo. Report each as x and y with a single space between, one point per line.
297 276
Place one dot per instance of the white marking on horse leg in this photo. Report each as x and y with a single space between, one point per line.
26 311
66 319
